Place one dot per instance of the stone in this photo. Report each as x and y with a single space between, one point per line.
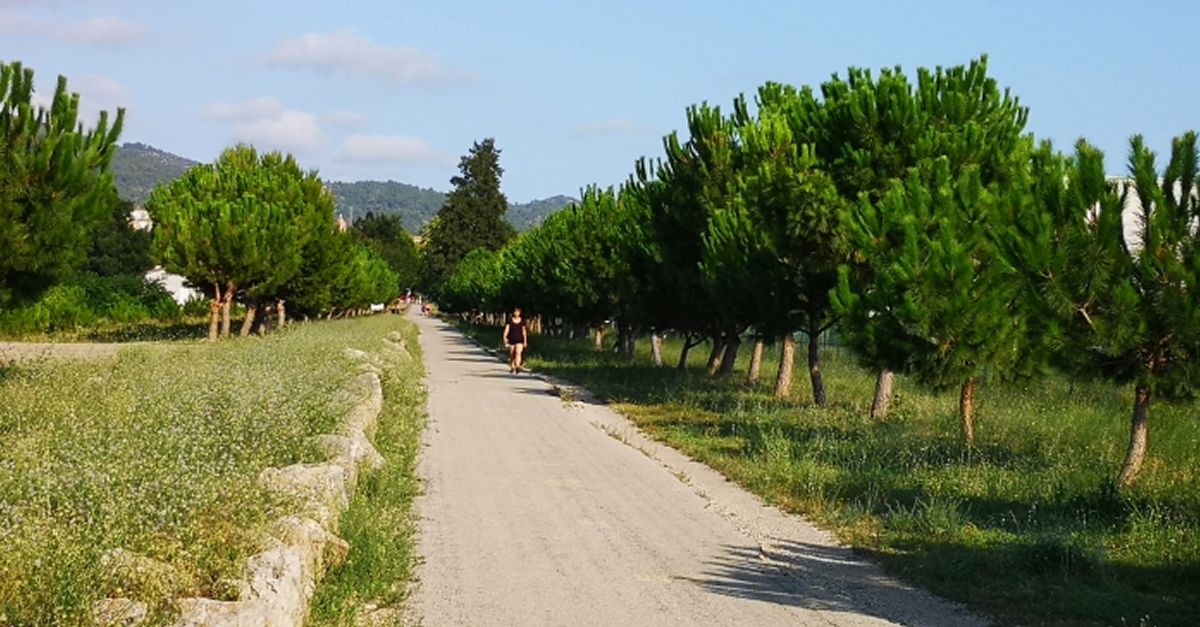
119 612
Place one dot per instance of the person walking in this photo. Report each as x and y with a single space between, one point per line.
516 340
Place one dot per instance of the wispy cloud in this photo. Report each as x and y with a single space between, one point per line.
102 31
344 119
347 52
106 31
389 149
252 109
267 124
612 127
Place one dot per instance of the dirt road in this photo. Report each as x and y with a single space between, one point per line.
540 512
12 352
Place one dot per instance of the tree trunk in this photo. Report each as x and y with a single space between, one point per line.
656 340
814 367
883 394
214 313
248 322
730 354
629 348
756 360
262 320
599 339
226 304
683 353
966 411
280 315
787 357
1137 438
714 358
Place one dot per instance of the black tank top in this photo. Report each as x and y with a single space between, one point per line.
516 332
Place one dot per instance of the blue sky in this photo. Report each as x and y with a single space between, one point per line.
573 92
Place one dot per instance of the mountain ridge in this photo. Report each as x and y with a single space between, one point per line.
138 168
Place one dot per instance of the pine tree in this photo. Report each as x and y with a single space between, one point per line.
55 184
472 216
239 226
1127 301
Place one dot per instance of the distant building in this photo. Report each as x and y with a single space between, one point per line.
342 226
140 219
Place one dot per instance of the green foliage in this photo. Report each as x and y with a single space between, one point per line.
1129 299
87 300
240 223
388 237
929 289
474 285
54 184
118 248
472 217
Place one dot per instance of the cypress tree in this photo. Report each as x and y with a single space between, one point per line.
472 216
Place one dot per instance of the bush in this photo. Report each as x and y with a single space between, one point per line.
87 300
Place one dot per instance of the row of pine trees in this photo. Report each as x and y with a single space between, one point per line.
920 220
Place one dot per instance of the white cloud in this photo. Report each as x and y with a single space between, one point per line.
101 89
389 149
267 124
344 119
252 109
345 51
20 24
102 31
97 31
611 127
290 131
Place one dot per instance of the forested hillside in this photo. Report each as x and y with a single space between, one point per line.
139 168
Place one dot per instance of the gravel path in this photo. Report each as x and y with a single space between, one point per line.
540 512
11 352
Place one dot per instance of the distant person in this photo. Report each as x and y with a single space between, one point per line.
516 340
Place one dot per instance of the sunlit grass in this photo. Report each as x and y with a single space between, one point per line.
156 452
1026 528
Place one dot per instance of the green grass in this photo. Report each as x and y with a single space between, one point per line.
1027 529
379 524
157 452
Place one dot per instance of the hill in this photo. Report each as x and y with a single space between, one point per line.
138 169
414 205
528 215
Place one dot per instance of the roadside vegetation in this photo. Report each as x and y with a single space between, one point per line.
1027 527
380 525
158 452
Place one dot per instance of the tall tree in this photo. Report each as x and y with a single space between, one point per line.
55 183
957 127
238 226
869 131
1122 272
472 216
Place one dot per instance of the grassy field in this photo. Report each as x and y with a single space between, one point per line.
157 452
1027 529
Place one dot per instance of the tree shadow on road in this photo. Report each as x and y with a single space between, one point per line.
826 579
